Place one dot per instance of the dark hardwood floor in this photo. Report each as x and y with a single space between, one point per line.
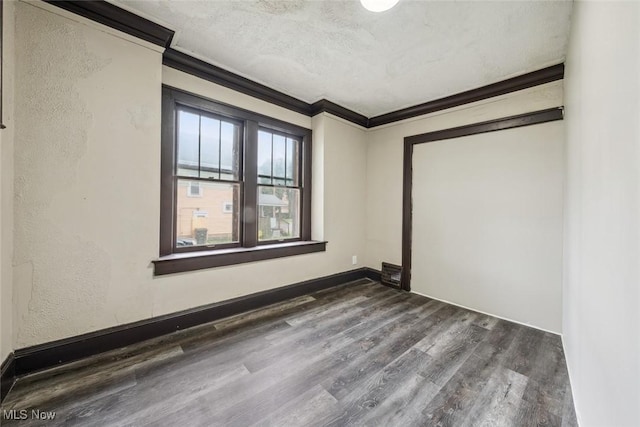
358 354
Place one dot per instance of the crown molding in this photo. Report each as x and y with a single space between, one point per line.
196 67
112 16
524 81
326 106
134 25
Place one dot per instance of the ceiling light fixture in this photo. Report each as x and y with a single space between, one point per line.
378 5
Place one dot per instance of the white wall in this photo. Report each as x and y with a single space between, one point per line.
602 259
384 161
87 173
487 222
384 180
6 186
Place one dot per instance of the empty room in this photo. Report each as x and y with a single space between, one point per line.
429 213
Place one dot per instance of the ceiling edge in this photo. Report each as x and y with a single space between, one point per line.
120 19
524 81
190 65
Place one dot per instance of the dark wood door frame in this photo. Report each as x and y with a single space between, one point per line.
520 120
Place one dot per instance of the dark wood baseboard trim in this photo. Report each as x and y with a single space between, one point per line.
511 122
7 376
372 274
51 354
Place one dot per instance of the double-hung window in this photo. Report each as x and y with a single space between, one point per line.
236 186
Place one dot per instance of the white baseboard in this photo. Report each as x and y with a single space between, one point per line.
488 314
573 394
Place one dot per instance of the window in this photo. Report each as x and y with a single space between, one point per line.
194 189
278 186
236 186
227 207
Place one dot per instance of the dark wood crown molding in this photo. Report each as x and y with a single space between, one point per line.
511 122
183 62
326 106
525 81
132 24
118 18
212 73
196 67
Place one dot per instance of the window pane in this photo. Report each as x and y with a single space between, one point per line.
207 213
209 147
292 162
230 151
278 159
278 213
279 150
264 156
188 132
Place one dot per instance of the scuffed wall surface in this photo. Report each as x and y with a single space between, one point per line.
87 126
87 180
6 184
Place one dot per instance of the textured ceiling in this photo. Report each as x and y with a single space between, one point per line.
372 63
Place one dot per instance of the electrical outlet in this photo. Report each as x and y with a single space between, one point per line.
354 259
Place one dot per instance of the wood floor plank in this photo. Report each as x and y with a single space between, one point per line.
402 337
498 402
295 376
359 354
59 387
404 406
535 415
548 376
358 405
486 321
325 335
337 292
456 398
166 396
448 359
569 418
524 350
302 411
275 310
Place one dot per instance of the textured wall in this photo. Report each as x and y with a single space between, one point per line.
87 186
87 131
6 185
602 213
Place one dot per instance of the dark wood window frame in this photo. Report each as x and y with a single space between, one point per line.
173 259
